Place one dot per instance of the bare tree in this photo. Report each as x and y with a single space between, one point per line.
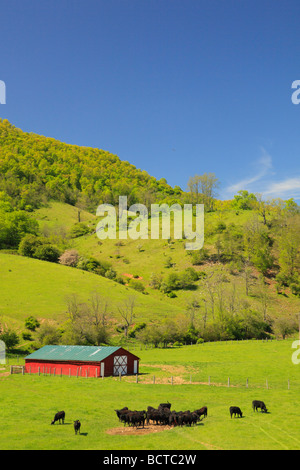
126 310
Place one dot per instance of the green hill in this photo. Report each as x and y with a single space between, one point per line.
244 283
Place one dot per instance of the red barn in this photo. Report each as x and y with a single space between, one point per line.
83 361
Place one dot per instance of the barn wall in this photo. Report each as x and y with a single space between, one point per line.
109 362
65 368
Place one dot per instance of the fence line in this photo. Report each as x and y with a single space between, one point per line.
163 380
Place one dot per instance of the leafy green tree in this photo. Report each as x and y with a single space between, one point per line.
10 338
244 200
31 323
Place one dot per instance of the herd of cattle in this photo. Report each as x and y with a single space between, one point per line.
161 415
164 416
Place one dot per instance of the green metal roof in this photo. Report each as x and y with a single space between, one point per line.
73 353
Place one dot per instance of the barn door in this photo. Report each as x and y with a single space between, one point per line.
120 365
135 367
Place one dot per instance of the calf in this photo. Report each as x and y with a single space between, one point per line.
77 425
259 404
60 416
235 410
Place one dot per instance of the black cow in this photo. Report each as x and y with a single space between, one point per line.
185 417
120 412
259 404
60 416
77 425
165 405
235 410
202 411
137 418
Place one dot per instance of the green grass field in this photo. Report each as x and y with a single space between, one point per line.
28 403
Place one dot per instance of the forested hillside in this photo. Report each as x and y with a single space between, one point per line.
34 169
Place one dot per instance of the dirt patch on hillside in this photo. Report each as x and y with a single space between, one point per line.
133 431
131 276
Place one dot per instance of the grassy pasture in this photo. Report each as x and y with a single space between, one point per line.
30 402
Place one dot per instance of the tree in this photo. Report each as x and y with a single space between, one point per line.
49 334
88 321
244 200
10 338
202 189
126 310
289 252
257 245
192 309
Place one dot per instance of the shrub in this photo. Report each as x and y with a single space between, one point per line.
137 285
29 244
110 273
69 258
79 229
31 323
47 252
199 257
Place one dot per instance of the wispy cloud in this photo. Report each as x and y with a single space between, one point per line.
288 188
262 182
264 165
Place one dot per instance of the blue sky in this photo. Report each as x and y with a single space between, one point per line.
176 87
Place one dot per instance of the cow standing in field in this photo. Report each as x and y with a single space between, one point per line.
77 425
259 404
60 416
202 411
235 410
